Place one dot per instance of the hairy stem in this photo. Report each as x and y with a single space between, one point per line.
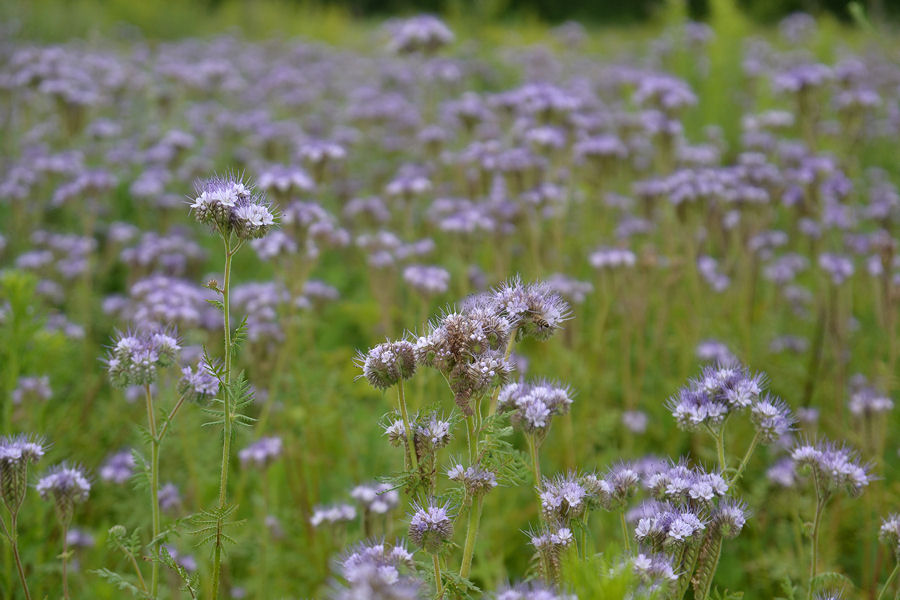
154 492
745 460
626 538
13 537
890 580
438 585
410 435
471 535
821 500
65 562
226 438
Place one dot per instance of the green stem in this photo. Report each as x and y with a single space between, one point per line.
438 585
708 573
410 435
625 536
720 449
13 537
226 438
890 580
154 492
535 460
820 506
471 535
470 439
745 460
65 563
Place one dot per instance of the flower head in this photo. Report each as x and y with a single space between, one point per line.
431 526
16 453
388 363
135 358
65 486
232 206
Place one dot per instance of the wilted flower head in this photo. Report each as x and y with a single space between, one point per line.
135 358
262 452
16 453
386 364
835 467
232 206
431 526
66 486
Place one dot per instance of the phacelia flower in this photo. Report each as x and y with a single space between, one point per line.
388 363
533 404
337 513
65 486
431 526
118 468
135 358
16 453
262 452
232 206
836 467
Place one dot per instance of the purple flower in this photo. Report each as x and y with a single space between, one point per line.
118 467
262 452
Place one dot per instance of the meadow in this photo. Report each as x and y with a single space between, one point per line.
422 308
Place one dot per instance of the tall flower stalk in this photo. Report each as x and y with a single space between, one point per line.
135 359
237 213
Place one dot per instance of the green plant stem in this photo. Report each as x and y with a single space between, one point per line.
13 536
172 413
744 461
438 585
535 460
65 562
814 559
154 491
720 449
890 580
226 438
471 535
410 435
625 537
470 439
701 591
